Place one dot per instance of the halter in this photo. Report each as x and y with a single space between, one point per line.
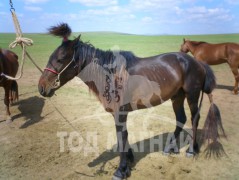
57 81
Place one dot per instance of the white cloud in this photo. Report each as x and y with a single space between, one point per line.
58 17
147 19
3 13
203 14
133 15
149 5
96 2
197 10
233 2
33 8
51 16
113 10
35 1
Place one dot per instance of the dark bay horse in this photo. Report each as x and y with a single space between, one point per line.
9 66
214 54
124 83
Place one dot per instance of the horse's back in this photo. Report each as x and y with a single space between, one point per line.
220 47
232 49
212 54
170 71
164 66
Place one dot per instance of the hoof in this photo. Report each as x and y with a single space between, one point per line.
116 178
121 173
9 120
171 149
235 92
166 153
130 156
190 154
192 150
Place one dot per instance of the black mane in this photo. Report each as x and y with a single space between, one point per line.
88 52
198 42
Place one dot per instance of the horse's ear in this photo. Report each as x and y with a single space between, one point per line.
76 40
184 40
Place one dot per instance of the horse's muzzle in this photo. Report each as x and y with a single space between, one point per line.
44 91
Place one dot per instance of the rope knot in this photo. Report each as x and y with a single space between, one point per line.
21 41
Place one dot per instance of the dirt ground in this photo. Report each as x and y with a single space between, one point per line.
30 146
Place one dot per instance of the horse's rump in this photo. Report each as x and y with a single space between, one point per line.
8 62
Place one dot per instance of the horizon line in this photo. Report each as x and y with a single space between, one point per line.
123 33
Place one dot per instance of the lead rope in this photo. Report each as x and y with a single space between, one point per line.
23 42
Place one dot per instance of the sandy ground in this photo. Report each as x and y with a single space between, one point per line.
30 146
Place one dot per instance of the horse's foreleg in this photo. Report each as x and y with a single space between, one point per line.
178 107
123 170
7 102
236 76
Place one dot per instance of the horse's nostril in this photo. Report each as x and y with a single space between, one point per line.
42 90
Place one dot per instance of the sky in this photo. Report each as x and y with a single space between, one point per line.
146 17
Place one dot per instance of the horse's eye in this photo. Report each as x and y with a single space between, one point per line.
60 60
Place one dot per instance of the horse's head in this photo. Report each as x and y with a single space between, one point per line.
184 47
63 64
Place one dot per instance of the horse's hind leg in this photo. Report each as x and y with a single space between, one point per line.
192 98
234 69
7 102
178 107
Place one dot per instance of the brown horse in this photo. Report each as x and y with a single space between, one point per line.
8 66
214 54
124 83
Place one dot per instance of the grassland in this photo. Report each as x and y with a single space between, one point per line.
141 45
31 141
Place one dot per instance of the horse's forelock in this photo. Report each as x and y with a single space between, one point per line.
61 30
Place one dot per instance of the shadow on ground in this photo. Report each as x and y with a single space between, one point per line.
221 86
31 110
214 150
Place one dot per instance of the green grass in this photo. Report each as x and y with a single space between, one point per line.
142 46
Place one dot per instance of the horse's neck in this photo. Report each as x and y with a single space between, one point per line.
93 73
192 47
106 81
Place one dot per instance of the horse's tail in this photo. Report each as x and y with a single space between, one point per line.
14 92
213 121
